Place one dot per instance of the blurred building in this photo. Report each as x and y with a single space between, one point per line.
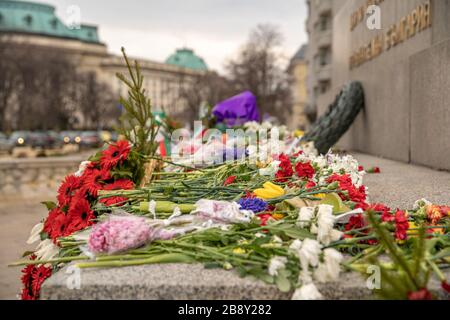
298 69
319 27
36 24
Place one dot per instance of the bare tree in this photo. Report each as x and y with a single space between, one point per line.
259 68
203 90
41 88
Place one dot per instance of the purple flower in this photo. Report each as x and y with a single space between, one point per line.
254 204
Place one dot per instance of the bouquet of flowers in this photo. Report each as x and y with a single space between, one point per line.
292 219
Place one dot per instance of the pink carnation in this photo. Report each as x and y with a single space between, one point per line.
119 234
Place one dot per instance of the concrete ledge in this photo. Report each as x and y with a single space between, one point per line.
189 282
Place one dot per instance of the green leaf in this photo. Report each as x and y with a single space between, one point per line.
44 236
27 253
49 204
282 282
442 254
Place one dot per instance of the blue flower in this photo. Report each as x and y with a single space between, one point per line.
254 204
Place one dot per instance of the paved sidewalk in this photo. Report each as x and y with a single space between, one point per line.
398 185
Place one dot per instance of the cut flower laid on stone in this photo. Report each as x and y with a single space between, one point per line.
292 218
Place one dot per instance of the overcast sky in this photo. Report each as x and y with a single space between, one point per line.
215 29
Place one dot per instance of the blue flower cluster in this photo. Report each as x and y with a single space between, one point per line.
254 204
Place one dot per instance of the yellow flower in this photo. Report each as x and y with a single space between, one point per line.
299 133
269 191
278 216
239 251
412 225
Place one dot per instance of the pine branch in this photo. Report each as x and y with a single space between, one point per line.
137 123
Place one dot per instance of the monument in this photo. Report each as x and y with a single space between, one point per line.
403 63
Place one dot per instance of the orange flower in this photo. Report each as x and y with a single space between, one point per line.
434 213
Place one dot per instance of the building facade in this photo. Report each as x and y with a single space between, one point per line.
319 27
36 24
403 63
298 69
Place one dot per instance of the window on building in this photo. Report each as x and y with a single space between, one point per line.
324 86
324 56
28 19
54 23
325 21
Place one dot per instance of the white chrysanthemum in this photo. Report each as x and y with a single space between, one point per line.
305 216
331 267
275 264
421 203
307 292
35 234
81 168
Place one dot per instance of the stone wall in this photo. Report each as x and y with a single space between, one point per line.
407 115
32 177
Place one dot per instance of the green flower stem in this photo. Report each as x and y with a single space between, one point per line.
163 258
56 260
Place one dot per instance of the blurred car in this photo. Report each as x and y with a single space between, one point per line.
90 139
5 144
43 139
20 139
70 137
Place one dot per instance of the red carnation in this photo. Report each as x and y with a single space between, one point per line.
263 218
378 207
362 205
67 189
115 154
229 180
422 294
80 215
304 170
310 184
122 184
445 286
285 171
94 180
401 225
355 222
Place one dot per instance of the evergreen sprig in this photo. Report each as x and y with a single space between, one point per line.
137 123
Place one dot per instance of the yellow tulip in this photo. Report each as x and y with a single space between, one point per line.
269 191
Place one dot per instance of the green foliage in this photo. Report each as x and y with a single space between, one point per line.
137 123
409 268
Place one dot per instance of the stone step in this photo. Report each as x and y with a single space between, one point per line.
398 185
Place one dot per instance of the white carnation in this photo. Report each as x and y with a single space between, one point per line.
275 264
305 216
307 292
331 267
